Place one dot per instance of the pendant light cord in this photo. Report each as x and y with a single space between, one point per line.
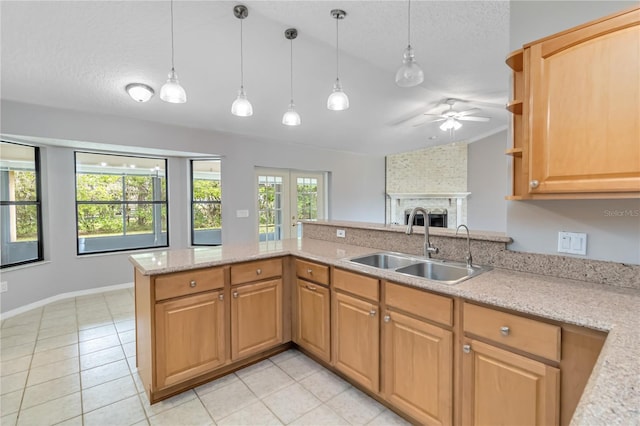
291 40
172 49
337 50
241 58
409 26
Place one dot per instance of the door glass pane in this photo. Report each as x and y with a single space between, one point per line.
307 204
270 198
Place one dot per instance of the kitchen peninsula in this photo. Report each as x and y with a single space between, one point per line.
564 307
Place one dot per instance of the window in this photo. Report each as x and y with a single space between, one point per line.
121 202
206 199
20 206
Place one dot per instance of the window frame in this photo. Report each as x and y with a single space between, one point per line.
37 203
123 202
194 202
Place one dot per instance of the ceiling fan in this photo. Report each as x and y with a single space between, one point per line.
452 119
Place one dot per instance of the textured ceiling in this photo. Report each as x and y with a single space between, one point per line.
81 54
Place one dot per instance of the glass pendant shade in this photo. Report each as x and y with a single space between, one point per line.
450 124
409 74
241 107
291 117
338 100
171 91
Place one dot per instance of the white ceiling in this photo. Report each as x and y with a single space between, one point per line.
80 55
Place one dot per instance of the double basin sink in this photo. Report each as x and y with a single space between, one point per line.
437 270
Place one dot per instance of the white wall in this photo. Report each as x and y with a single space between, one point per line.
356 188
487 182
534 225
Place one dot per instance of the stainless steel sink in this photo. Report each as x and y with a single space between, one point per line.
448 273
385 260
437 270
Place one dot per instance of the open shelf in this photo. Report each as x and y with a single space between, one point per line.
515 152
515 107
515 60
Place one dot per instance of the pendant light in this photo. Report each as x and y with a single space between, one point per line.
171 91
409 74
139 92
338 100
450 124
291 117
241 107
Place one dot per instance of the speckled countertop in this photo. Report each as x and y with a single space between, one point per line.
612 395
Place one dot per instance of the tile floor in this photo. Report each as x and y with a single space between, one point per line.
72 362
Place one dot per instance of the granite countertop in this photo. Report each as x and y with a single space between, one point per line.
612 395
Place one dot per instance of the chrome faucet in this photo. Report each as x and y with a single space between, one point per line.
469 258
428 248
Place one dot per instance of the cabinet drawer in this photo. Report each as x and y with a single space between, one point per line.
535 337
254 271
188 282
312 271
426 305
360 285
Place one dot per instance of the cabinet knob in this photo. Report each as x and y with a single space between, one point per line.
235 294
505 330
310 271
372 313
221 297
466 349
192 284
258 271
310 287
534 184
386 318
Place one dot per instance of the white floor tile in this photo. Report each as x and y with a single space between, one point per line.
389 418
105 356
74 421
9 419
99 344
54 355
125 412
16 351
127 336
94 333
53 389
189 413
267 381
321 415
300 367
13 382
254 414
283 356
10 402
56 342
166 404
108 393
52 412
15 365
229 399
324 385
355 406
19 339
58 330
104 373
247 371
53 371
216 384
291 402
125 325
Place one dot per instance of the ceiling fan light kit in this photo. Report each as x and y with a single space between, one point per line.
139 92
172 91
338 99
291 117
241 107
409 74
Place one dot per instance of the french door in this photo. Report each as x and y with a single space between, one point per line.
286 196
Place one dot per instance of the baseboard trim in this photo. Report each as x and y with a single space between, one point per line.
62 296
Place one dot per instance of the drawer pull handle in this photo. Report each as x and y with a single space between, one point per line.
387 318
312 288
235 294
372 313
310 271
258 271
505 331
466 349
221 297
192 284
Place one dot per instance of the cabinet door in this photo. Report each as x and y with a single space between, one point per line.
189 337
502 388
256 318
356 339
312 328
585 106
418 374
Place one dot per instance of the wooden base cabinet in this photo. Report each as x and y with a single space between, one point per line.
256 317
189 337
503 388
418 368
313 320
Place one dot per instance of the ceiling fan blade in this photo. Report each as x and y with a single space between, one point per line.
467 112
428 121
473 118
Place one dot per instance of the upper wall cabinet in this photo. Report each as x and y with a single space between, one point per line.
576 106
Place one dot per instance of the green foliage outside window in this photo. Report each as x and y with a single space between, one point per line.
26 216
207 196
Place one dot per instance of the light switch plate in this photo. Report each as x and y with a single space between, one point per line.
572 242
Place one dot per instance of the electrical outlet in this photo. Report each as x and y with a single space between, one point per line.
4 286
340 233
